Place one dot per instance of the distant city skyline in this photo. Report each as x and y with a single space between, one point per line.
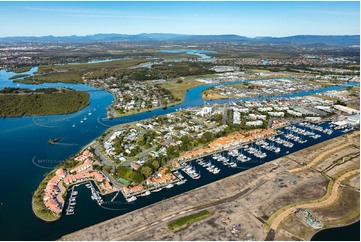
251 19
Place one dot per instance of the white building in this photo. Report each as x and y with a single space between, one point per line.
276 114
254 123
294 113
206 111
257 116
265 109
346 109
236 117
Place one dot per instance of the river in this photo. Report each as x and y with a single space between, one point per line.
26 157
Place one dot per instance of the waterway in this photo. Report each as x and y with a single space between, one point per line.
201 53
26 157
346 233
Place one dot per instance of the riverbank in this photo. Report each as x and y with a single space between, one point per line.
15 102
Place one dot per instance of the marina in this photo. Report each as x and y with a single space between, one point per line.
71 202
234 160
51 155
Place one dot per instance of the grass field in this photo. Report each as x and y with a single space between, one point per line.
184 222
179 89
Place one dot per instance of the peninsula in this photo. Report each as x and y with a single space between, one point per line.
15 102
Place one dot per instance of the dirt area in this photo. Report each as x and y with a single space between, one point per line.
335 157
246 199
306 155
355 182
349 163
310 186
293 229
345 209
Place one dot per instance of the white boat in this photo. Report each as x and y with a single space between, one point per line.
170 185
147 193
233 164
131 199
157 190
181 182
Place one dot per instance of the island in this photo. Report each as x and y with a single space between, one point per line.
16 102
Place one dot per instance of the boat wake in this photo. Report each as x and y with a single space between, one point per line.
105 125
113 209
66 144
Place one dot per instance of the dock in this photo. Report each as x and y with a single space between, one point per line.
71 202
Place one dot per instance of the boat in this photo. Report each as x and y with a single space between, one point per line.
53 141
147 193
158 190
181 182
170 185
131 199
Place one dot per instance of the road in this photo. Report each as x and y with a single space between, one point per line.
322 156
331 199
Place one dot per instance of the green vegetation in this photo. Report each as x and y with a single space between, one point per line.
75 73
37 200
18 76
128 174
20 102
21 69
67 77
126 69
179 89
184 222
345 210
167 71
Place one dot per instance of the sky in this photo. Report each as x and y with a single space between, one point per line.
249 19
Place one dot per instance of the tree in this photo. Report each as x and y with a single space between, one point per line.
146 171
207 136
156 165
107 168
136 177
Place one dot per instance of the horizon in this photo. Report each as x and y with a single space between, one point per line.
250 19
93 34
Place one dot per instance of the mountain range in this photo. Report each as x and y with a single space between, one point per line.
336 40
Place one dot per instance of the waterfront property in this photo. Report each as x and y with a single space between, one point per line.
57 186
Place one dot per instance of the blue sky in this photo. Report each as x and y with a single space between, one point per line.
242 18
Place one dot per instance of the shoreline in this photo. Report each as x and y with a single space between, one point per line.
157 203
88 102
40 217
89 232
332 227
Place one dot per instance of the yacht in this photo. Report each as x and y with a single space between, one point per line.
170 185
131 199
181 182
158 190
147 193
